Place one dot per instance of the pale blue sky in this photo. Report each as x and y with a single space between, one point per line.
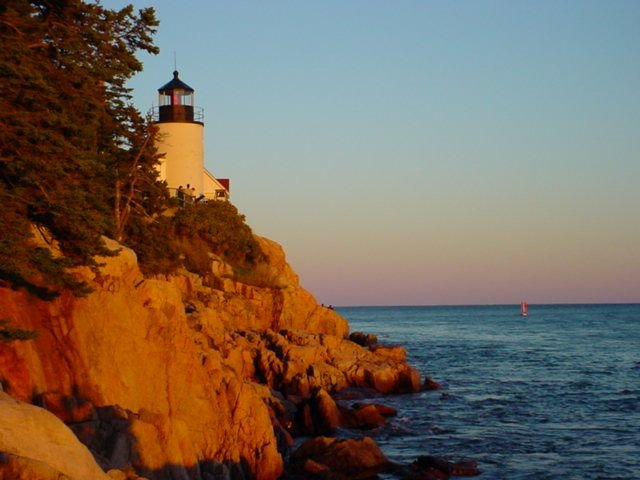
422 152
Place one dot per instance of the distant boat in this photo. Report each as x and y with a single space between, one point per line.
524 309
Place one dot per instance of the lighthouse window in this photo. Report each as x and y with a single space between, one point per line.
187 99
165 99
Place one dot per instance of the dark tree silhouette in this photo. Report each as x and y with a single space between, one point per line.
76 159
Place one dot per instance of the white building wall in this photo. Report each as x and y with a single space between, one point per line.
183 146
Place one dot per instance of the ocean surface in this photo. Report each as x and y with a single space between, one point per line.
555 395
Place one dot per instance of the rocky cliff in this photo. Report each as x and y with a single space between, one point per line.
186 377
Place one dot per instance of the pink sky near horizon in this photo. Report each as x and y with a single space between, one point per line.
449 270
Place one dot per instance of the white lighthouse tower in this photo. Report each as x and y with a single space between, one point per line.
181 139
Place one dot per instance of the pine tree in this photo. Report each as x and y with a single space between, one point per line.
71 144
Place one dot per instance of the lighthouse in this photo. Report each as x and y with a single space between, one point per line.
181 141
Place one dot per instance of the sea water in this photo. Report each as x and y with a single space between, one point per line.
555 395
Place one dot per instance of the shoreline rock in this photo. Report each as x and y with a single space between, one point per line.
174 377
333 458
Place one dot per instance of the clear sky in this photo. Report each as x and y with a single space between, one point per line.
423 152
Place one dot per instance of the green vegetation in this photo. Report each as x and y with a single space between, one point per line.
190 235
71 145
8 334
260 275
77 160
222 229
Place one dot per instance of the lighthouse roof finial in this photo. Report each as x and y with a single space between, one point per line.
175 84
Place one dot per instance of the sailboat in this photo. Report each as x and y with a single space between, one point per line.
524 309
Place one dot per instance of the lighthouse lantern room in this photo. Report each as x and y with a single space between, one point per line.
181 140
176 101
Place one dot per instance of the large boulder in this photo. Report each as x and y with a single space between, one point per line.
36 445
326 413
356 458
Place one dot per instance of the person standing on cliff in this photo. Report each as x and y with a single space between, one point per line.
180 196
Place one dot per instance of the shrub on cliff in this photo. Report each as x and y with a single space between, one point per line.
9 333
152 240
214 228
191 236
260 275
222 228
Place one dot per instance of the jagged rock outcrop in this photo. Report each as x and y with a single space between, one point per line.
176 376
236 305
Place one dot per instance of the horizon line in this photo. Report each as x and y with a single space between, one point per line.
481 304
